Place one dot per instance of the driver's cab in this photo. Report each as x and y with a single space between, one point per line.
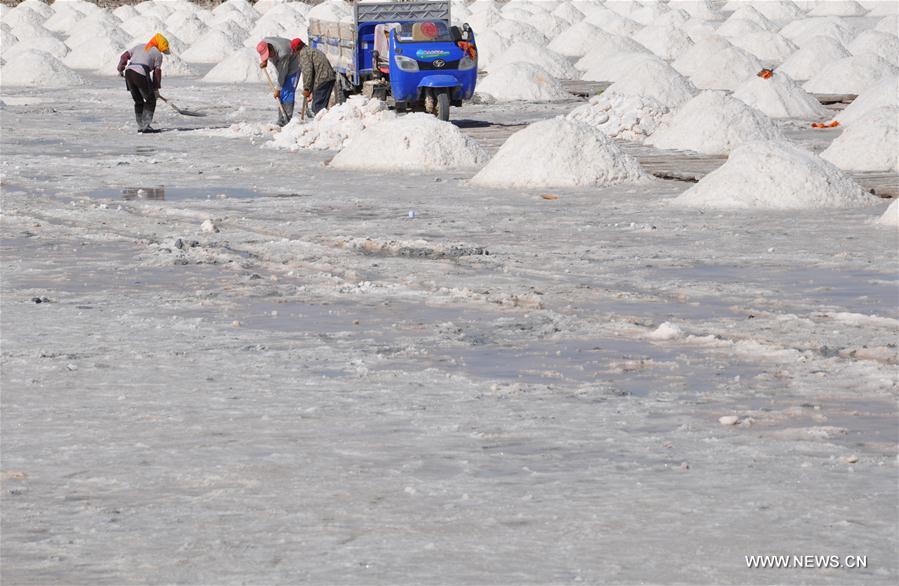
435 31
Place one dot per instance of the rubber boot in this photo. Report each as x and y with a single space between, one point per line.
139 116
146 119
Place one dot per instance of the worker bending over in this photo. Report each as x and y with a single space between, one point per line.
141 67
279 51
318 75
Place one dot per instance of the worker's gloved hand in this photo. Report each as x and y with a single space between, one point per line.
306 94
277 94
263 65
121 74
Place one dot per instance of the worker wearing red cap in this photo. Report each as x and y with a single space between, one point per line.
318 75
278 50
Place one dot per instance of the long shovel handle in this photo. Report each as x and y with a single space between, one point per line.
303 109
272 85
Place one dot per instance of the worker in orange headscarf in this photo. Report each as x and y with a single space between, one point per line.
141 66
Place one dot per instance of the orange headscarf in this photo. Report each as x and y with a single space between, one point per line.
158 41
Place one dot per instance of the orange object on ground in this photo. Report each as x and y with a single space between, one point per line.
765 73
831 124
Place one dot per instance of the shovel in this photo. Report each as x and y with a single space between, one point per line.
180 111
272 84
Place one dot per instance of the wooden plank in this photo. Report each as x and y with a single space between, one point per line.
828 99
584 89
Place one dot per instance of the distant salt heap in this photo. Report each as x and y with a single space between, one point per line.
48 45
779 11
521 81
768 46
818 52
691 60
775 175
415 142
34 68
605 48
335 128
619 66
175 66
657 80
891 216
884 93
580 156
241 66
623 117
885 45
575 41
838 8
526 52
96 55
714 123
780 97
213 46
726 70
870 144
667 42
800 31
851 75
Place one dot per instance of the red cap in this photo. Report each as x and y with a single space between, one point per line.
296 44
262 49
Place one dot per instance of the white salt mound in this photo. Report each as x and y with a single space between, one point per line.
884 93
333 129
818 52
667 42
34 68
657 80
891 216
666 331
175 66
48 45
606 47
870 144
775 175
838 8
768 46
241 66
213 46
714 123
780 97
623 117
727 69
619 66
415 142
576 40
879 43
526 52
521 81
851 75
691 60
580 156
101 54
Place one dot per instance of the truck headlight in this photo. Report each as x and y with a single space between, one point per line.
466 63
406 63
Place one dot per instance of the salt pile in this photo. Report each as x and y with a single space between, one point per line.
138 26
726 70
490 47
799 31
553 63
769 47
657 80
213 46
818 52
884 93
750 13
619 66
779 97
838 8
605 48
521 81
891 216
623 117
98 54
739 28
414 142
698 9
666 42
870 144
188 27
38 69
576 40
713 123
514 31
64 19
175 66
778 10
691 60
241 66
882 44
7 40
580 156
775 175
888 24
333 129
851 75
48 45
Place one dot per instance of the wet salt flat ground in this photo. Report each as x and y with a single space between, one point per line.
329 391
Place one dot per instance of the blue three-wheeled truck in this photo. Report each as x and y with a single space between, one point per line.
407 53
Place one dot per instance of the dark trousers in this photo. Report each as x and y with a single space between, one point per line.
144 97
321 95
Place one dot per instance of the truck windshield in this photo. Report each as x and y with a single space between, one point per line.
423 32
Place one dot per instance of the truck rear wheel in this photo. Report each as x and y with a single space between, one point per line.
443 105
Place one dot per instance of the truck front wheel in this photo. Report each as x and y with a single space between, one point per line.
443 105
